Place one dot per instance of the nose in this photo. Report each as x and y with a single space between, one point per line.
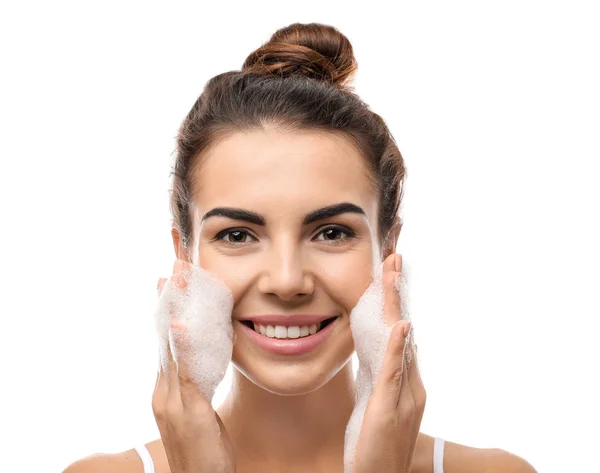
285 275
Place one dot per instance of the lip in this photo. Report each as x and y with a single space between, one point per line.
288 320
290 346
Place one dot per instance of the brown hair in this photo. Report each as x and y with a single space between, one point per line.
299 80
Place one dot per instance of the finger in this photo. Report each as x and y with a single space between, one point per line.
416 382
177 283
182 345
172 376
408 410
185 356
389 382
180 268
161 388
406 402
160 286
391 303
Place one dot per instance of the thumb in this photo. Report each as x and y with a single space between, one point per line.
389 382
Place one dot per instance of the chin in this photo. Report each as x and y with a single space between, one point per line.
294 375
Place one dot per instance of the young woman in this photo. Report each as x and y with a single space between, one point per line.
298 185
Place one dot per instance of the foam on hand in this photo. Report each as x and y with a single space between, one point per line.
371 334
202 334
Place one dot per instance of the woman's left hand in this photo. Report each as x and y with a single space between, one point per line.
393 415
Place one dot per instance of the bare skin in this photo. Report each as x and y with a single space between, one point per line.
457 459
286 267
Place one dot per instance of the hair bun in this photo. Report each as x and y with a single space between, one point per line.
313 50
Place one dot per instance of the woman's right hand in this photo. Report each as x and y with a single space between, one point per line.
192 433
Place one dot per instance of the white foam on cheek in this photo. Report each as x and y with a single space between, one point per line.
371 335
203 309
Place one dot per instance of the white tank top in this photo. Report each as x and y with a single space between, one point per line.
146 458
438 457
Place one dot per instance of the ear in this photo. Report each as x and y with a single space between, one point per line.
180 251
391 240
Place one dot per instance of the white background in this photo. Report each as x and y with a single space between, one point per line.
495 107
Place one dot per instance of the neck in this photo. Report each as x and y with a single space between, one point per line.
267 428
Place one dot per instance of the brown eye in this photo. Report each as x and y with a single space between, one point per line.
330 234
334 235
237 236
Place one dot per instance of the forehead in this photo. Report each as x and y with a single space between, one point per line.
283 171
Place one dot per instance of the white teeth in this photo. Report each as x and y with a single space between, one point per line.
279 331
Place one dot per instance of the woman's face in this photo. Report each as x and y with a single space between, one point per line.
285 266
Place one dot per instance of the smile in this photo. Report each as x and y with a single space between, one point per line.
292 340
283 332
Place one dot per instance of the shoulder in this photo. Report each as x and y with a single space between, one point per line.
123 462
464 459
501 461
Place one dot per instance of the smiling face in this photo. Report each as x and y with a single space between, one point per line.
291 260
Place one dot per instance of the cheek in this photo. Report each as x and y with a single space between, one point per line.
344 276
352 292
351 286
226 270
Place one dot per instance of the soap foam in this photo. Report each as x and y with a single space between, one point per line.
371 334
204 308
203 335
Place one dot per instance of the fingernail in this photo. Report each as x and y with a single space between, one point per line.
398 263
407 328
178 266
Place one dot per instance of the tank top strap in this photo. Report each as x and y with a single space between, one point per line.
438 455
146 458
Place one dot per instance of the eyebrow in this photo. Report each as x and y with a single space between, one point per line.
257 219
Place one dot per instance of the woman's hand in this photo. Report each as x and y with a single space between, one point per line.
192 433
393 415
